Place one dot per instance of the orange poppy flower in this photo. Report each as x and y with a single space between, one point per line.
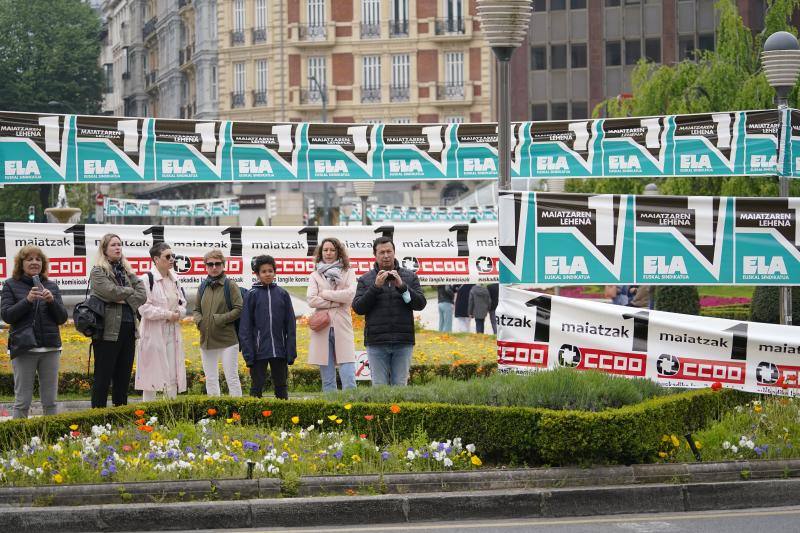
266 413
139 412
369 418
395 408
236 417
212 412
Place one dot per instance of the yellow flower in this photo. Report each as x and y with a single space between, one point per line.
237 443
76 453
209 459
662 454
757 408
356 458
476 460
665 438
348 406
295 457
225 439
339 420
74 427
104 438
675 441
332 417
698 445
229 420
295 420
58 478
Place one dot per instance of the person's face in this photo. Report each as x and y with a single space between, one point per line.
114 249
266 274
384 255
165 260
215 266
329 254
32 265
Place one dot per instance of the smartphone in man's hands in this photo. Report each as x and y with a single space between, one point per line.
37 281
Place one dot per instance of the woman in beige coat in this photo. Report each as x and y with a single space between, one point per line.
331 288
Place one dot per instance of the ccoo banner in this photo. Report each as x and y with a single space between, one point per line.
438 253
538 331
49 148
623 239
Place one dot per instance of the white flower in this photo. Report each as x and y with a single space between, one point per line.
410 455
734 449
471 448
310 428
726 445
447 462
272 469
750 444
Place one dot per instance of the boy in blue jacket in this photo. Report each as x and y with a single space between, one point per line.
267 330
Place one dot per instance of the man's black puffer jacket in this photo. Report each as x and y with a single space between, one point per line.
388 318
17 311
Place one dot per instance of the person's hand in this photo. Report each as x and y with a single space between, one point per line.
47 296
380 279
398 281
34 294
176 315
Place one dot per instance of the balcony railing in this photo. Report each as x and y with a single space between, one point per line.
259 35
370 95
311 96
398 28
399 94
313 33
450 91
149 27
150 78
450 26
237 100
259 98
237 37
189 110
370 30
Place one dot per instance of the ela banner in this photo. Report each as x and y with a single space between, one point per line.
51 148
538 331
439 253
568 239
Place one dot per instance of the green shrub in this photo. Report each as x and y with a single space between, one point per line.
731 312
562 388
508 435
765 307
682 299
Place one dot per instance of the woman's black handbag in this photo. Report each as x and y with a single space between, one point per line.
88 316
21 339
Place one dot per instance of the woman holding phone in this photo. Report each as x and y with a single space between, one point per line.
32 305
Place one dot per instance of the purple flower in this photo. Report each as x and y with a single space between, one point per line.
385 455
112 469
249 445
338 454
151 455
425 455
104 472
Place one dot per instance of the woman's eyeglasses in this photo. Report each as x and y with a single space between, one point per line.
169 257
213 264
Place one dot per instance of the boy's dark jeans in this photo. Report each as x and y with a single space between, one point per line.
279 370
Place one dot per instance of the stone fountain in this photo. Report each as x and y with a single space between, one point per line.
63 213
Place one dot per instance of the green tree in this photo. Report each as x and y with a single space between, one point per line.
49 52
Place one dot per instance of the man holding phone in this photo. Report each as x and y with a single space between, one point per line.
387 296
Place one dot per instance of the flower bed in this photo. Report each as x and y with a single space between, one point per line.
216 447
505 435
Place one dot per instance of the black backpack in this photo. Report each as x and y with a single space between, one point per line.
226 288
88 316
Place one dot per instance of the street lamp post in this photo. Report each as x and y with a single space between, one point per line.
504 23
363 190
781 62
323 96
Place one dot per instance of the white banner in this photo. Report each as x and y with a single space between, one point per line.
538 331
212 207
438 253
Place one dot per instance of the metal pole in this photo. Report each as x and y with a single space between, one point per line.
326 200
364 210
503 117
785 298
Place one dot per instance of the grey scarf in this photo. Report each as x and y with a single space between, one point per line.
331 271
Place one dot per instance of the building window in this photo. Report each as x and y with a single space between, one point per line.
371 79
238 15
539 112
577 4
558 56
612 3
633 52
580 110
400 91
558 5
705 41
260 29
398 26
316 13
455 119
214 93
316 71
260 94
370 19
686 47
237 96
538 58
613 54
108 70
540 5
454 9
453 88
652 50
558 111
577 54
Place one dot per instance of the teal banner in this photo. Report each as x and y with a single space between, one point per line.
576 239
48 148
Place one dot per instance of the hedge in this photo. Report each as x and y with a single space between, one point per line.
506 435
731 312
300 378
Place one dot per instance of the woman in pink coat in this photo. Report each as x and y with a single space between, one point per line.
160 364
331 287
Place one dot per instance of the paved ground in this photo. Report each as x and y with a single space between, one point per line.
743 521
